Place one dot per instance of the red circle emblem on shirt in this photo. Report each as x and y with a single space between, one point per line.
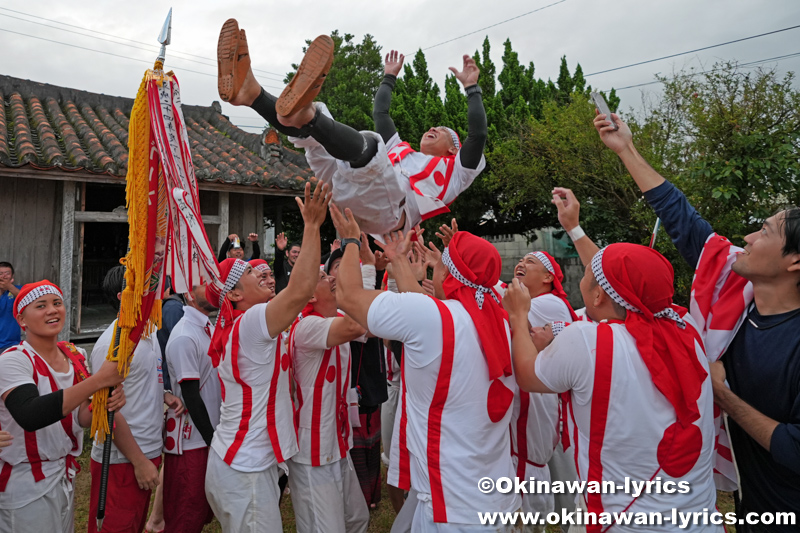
285 362
169 443
679 449
330 375
171 424
499 400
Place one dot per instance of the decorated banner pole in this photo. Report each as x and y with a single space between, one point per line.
114 353
655 233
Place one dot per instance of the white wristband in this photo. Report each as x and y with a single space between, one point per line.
576 233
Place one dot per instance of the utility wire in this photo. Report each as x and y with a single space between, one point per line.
691 51
113 54
744 65
151 46
493 25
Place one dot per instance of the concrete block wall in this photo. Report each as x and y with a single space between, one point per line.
513 247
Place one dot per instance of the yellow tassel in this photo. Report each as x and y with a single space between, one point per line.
155 315
136 199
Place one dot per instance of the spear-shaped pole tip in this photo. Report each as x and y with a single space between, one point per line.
164 37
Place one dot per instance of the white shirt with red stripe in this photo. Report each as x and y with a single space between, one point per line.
322 378
446 387
144 396
19 463
627 444
434 182
256 427
537 413
188 359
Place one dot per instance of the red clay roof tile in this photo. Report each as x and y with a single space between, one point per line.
50 128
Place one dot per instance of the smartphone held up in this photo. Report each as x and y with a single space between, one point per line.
602 107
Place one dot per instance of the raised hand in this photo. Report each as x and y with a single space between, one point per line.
232 237
468 75
281 241
315 208
427 286
446 232
434 255
394 63
253 237
396 244
417 261
618 140
569 209
517 300
381 261
542 337
345 223
335 245
367 257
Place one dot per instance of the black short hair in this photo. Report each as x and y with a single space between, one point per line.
292 245
112 285
791 230
6 264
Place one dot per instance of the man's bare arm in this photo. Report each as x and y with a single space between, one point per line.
569 216
517 302
285 307
621 142
351 296
344 329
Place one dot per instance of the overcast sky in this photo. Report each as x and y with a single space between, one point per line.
599 34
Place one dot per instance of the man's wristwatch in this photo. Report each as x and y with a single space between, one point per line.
347 241
472 89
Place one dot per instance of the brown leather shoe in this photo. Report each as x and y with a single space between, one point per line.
233 60
306 84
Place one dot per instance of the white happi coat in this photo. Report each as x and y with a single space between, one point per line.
452 421
618 419
256 428
37 461
322 382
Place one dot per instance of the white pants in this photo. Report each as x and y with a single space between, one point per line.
423 522
403 520
374 193
243 502
55 511
328 498
388 410
533 503
562 468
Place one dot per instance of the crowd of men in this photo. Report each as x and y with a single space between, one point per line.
317 369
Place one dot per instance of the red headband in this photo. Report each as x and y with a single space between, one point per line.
554 268
33 291
231 271
641 280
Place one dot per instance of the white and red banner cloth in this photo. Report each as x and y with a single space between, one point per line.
189 258
719 303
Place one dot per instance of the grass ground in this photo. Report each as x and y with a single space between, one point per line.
380 519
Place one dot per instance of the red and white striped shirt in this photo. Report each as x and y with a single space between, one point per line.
322 378
256 428
35 461
452 422
622 426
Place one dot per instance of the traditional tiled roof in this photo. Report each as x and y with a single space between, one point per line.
55 129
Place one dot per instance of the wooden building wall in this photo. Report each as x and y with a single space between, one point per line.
30 228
